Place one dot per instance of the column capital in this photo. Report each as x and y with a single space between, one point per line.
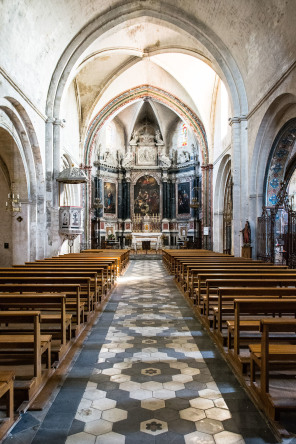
237 119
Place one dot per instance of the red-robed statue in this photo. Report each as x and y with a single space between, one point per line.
246 233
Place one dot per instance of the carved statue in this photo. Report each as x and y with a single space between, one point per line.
246 232
135 137
128 160
184 157
158 138
163 159
109 158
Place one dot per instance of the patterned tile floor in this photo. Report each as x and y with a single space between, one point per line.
147 373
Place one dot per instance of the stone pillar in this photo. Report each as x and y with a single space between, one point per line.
119 191
57 125
168 199
207 204
164 199
48 179
100 194
239 166
128 195
173 198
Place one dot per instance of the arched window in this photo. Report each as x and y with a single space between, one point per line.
183 136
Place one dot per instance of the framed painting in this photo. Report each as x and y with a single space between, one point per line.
109 198
184 198
146 195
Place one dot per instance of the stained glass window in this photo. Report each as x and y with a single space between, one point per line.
183 135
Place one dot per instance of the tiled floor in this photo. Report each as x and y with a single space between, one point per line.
148 374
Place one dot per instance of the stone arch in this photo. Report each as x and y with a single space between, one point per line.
22 130
157 94
167 13
278 113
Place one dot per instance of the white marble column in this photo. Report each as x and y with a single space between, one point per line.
239 167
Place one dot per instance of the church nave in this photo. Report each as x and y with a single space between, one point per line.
147 373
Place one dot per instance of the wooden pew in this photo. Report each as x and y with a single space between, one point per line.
90 287
87 298
6 392
265 356
17 350
224 311
72 291
255 307
108 267
247 280
54 319
184 266
226 269
72 267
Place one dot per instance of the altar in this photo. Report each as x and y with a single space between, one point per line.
153 238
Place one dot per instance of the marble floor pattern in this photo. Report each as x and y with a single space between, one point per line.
147 373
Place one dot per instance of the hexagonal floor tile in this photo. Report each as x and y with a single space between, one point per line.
210 394
152 404
87 415
216 413
192 414
98 427
120 378
173 385
210 426
114 415
151 385
190 371
228 438
92 395
111 371
141 394
220 403
199 438
78 438
154 427
182 378
130 386
164 394
110 438
201 403
104 404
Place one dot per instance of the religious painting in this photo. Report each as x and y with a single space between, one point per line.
75 218
184 198
146 195
64 219
109 198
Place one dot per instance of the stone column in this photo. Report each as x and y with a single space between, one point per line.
100 194
48 179
120 206
164 199
173 199
128 196
239 166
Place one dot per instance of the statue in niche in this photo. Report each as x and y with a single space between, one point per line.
135 138
109 158
184 157
128 160
163 159
158 138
